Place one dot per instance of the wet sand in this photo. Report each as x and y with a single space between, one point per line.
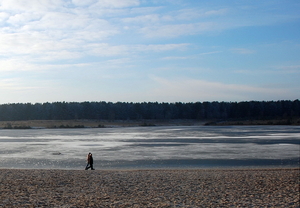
150 188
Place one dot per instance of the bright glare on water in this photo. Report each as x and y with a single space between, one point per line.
151 147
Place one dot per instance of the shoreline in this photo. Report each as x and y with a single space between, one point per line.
57 124
212 168
190 164
252 168
150 188
62 124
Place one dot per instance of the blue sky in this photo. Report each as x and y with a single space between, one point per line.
149 50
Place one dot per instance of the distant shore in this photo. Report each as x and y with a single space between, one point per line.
33 124
150 188
249 122
96 123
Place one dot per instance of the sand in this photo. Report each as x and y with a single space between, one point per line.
150 188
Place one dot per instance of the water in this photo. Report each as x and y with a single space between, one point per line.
152 147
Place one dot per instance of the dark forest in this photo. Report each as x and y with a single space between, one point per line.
150 110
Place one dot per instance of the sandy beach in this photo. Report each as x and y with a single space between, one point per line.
150 188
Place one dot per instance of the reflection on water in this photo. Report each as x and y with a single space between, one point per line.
151 147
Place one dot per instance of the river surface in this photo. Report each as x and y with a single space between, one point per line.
152 147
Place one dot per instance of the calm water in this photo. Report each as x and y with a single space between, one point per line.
151 147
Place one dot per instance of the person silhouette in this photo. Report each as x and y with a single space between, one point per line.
90 162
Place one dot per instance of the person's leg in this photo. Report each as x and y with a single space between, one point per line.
92 167
87 166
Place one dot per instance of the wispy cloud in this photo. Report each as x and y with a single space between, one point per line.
209 53
190 57
242 51
116 3
289 69
175 58
273 70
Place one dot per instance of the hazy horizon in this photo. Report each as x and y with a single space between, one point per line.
147 102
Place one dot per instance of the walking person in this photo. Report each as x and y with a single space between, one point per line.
90 162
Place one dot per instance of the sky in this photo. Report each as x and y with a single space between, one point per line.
149 50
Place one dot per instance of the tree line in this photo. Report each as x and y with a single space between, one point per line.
150 110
